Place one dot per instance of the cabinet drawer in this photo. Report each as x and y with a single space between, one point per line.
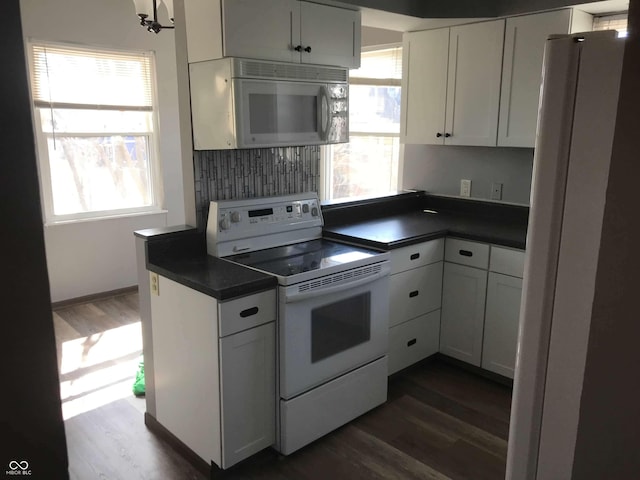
414 340
464 252
507 260
417 255
246 312
415 292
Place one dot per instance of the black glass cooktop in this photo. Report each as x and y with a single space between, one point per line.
302 257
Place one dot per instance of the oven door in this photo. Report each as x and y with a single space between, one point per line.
332 325
272 113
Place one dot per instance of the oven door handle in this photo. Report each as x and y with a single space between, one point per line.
298 297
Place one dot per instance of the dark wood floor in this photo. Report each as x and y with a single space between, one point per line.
440 422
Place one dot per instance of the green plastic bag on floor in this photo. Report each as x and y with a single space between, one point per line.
138 384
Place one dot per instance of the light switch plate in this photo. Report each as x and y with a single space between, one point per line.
496 191
465 188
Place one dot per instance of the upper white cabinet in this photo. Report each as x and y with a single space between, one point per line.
451 85
278 30
524 42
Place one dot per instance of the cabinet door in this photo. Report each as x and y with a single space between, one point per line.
463 298
247 381
415 292
332 35
473 91
262 29
501 324
525 37
424 86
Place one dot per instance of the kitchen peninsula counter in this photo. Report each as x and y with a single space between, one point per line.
180 254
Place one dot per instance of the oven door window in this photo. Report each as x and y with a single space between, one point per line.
340 326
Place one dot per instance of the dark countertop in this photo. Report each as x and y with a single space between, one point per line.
410 220
214 276
180 254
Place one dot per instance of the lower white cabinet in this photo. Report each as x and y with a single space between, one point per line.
215 382
414 304
501 323
463 302
413 340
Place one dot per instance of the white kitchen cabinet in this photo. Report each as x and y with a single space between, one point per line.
415 292
501 323
463 304
279 30
415 299
502 315
525 37
215 391
451 85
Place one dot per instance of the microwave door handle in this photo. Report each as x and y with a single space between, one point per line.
325 118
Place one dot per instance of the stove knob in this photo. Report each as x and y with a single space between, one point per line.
305 208
224 223
235 217
314 212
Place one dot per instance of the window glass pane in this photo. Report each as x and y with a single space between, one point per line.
94 121
99 173
366 166
374 109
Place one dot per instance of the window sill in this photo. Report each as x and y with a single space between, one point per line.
146 213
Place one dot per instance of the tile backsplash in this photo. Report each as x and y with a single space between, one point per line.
260 172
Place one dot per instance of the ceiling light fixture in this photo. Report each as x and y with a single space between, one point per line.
146 8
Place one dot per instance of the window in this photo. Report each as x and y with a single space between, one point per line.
94 119
367 166
616 22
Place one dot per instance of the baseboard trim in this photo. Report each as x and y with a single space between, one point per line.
94 297
178 445
476 370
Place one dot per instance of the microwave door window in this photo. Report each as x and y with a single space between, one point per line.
279 113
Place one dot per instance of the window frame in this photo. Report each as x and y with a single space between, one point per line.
326 169
42 148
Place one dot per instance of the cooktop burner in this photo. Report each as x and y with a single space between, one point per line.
314 255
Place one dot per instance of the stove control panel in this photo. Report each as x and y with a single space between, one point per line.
289 214
282 219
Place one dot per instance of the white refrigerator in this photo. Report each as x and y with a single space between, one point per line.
576 123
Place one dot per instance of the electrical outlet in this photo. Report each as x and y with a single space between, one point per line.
465 188
496 191
154 283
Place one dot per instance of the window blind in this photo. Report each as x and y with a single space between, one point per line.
81 78
616 22
385 65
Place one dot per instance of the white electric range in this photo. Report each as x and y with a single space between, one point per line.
333 309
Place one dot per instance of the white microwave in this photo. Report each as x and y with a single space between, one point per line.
241 103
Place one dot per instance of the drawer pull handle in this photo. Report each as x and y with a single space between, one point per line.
466 253
411 342
415 256
248 312
413 294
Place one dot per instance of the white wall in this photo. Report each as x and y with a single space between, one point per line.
439 169
97 256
